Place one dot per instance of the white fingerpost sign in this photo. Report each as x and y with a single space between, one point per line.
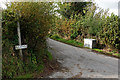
17 47
90 43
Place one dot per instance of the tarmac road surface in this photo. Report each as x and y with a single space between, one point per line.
81 62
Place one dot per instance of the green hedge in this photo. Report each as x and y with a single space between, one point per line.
35 21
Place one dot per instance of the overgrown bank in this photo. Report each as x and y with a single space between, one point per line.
96 23
35 20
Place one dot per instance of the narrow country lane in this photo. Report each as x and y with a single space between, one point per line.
82 63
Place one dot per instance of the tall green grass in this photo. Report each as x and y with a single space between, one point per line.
71 42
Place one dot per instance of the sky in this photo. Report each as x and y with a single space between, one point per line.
111 4
104 4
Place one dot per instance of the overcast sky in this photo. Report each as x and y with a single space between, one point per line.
111 4
104 4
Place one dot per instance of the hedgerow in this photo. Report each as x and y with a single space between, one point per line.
35 19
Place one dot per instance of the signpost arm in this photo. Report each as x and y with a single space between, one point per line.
19 39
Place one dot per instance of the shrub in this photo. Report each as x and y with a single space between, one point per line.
110 34
55 36
74 35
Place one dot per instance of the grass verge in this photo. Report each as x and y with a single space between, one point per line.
71 42
81 45
50 57
117 55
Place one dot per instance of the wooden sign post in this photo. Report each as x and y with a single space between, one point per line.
20 47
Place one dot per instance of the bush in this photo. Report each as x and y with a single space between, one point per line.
74 35
110 34
55 37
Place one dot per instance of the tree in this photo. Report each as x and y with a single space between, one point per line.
71 8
